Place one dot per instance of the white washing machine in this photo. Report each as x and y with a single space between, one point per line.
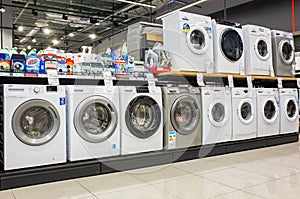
34 125
142 119
243 113
188 40
283 53
289 110
267 112
228 47
182 113
216 115
93 129
258 50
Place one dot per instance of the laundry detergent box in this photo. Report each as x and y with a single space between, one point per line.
62 68
121 68
17 63
33 64
4 62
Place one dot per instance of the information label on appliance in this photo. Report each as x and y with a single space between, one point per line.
171 139
151 80
298 82
230 81
279 80
249 82
107 78
200 81
52 77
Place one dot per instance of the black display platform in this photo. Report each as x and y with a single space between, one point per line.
38 175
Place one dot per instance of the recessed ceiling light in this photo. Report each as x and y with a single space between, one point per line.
71 34
20 28
92 36
28 47
47 31
2 9
33 40
55 42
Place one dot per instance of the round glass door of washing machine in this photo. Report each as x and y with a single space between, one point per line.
143 117
291 110
262 49
232 44
270 110
95 119
217 113
286 52
245 111
35 122
197 40
185 115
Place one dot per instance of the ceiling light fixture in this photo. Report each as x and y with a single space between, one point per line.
33 40
137 3
71 34
2 9
47 31
22 40
20 28
55 42
92 36
182 8
28 47
65 17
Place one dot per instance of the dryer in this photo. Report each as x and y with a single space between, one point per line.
142 119
289 110
243 113
258 50
216 115
283 53
267 112
182 113
188 40
34 125
93 127
228 47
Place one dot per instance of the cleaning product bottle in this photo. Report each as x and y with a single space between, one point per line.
61 63
32 62
86 62
42 67
4 60
70 63
17 61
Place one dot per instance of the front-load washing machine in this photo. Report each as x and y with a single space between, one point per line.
188 40
243 113
283 53
142 119
289 116
258 50
216 115
93 129
267 111
182 113
228 47
34 125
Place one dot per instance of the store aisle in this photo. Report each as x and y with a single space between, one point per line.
272 172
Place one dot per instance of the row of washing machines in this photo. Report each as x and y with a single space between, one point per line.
43 125
199 43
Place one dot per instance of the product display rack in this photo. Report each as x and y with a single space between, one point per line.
69 170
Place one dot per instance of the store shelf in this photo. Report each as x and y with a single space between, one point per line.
70 170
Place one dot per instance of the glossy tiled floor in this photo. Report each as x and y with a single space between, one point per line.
272 172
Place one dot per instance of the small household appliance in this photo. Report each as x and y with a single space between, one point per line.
216 115
289 110
188 40
93 122
258 50
182 113
34 127
142 119
243 113
228 47
283 53
267 111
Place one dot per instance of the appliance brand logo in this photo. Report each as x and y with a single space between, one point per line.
185 19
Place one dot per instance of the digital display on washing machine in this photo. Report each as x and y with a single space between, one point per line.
96 118
269 109
246 111
218 112
287 51
232 44
291 108
262 48
36 122
197 39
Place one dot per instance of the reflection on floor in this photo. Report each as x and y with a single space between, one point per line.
272 172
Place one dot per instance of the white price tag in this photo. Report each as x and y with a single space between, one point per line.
279 80
52 77
249 82
4 74
298 82
230 81
200 81
151 80
107 78
18 74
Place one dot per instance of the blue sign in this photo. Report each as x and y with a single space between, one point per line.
62 100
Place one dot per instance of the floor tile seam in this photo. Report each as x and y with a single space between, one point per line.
85 188
212 180
15 197
285 165
253 193
223 194
206 172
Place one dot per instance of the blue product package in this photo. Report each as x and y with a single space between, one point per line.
17 63
32 64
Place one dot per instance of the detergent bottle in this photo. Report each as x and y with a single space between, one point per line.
33 62
4 60
17 61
